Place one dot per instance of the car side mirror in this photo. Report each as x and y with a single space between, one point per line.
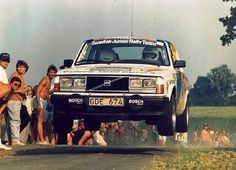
67 63
179 64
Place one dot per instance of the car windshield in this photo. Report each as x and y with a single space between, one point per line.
123 53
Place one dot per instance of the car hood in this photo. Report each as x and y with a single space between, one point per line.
111 69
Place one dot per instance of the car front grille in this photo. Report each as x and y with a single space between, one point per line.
105 84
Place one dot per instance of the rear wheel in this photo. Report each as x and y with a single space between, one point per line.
152 120
182 120
167 121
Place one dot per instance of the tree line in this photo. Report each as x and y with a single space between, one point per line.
217 88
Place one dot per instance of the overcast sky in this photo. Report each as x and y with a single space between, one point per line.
44 32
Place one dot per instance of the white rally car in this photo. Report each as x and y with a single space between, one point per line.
123 78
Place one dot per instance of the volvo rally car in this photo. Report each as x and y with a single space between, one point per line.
123 78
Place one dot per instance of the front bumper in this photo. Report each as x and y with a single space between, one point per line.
134 105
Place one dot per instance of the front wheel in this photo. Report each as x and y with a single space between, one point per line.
167 121
92 124
62 126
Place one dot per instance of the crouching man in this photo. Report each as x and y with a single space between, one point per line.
6 91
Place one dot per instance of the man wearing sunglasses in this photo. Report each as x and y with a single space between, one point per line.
4 61
6 91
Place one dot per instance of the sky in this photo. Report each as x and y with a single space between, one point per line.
44 32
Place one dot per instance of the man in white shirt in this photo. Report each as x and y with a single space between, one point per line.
4 61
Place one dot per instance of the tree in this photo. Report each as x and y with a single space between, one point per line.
200 94
222 82
214 89
230 23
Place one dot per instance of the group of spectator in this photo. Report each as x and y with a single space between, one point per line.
209 137
24 114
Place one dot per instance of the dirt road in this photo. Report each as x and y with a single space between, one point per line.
75 157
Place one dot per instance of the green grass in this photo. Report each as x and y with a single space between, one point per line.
216 112
195 160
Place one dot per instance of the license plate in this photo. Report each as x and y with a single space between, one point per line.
108 101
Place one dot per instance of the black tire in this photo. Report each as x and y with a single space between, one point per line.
152 121
92 124
62 125
167 121
183 120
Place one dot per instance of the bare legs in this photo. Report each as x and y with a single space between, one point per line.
40 126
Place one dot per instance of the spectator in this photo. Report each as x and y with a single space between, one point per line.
34 115
206 136
29 100
99 135
40 102
4 62
113 133
26 117
154 133
5 93
14 103
182 139
223 140
144 135
79 135
196 138
162 140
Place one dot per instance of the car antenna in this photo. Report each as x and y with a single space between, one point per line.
132 18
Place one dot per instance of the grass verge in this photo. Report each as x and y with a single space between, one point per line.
197 160
214 112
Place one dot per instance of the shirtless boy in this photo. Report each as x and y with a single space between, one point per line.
42 94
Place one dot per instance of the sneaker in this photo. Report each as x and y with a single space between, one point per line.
6 148
18 143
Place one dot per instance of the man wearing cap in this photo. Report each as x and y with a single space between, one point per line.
4 61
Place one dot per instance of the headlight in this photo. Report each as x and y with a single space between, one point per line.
80 82
66 82
136 83
149 83
142 83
